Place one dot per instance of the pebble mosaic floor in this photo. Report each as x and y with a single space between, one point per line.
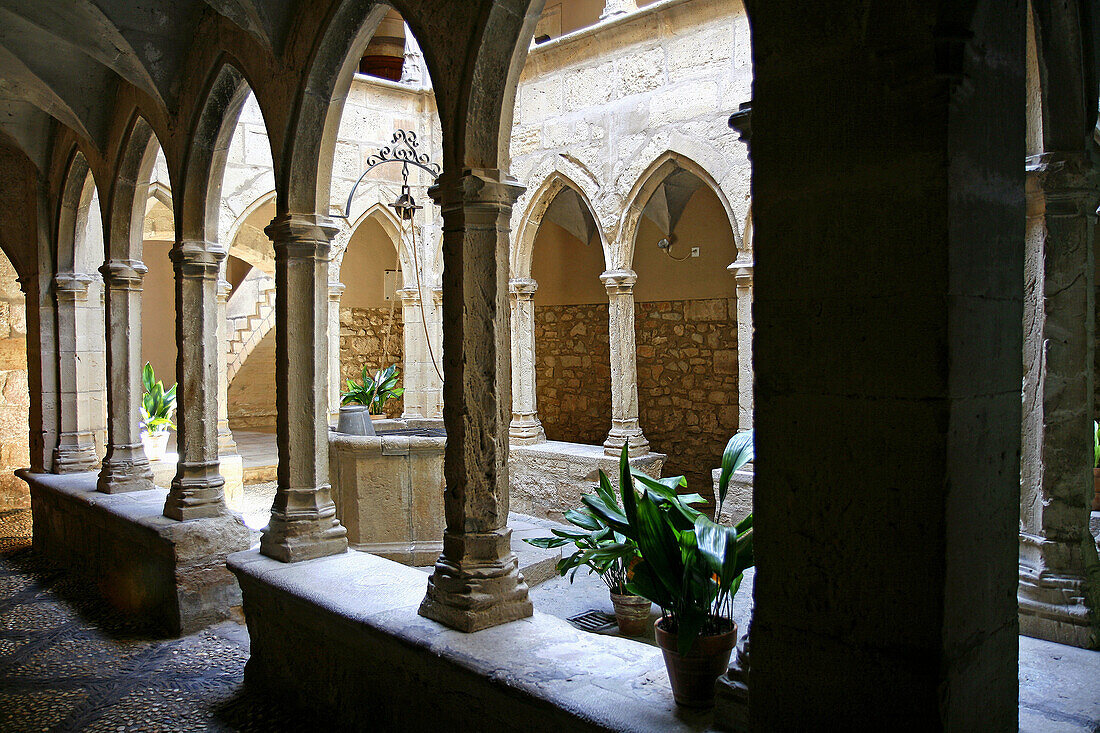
68 664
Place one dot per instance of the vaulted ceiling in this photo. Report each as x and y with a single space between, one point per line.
61 59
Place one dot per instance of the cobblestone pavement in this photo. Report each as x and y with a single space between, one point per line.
67 663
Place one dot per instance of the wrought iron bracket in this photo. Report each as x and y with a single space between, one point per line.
404 150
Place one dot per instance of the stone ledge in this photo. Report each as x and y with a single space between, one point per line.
548 478
738 503
170 575
341 636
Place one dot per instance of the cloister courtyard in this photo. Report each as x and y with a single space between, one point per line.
332 333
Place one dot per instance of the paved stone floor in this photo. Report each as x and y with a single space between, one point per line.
67 663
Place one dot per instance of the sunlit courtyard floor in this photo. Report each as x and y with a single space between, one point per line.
69 663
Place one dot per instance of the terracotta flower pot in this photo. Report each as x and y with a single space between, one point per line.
631 613
692 675
1096 489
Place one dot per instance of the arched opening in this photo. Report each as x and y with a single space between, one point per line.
14 390
572 347
158 299
371 313
685 313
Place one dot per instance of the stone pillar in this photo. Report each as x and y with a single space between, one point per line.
75 451
197 490
125 467
303 518
743 276
526 428
417 361
42 369
226 444
231 464
433 405
624 365
476 582
1056 478
335 292
618 7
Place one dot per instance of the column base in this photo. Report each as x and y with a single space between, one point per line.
1052 607
613 446
292 539
125 468
482 588
76 455
731 705
197 492
526 430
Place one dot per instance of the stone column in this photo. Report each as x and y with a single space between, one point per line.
526 428
624 365
433 405
75 451
226 444
335 292
303 518
230 461
476 582
125 467
1056 476
743 276
618 7
416 355
197 490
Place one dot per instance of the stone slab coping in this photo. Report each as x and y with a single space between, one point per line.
143 510
559 448
387 444
604 682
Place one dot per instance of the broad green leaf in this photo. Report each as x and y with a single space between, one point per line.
739 451
583 519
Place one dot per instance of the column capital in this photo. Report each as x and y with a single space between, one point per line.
195 258
619 282
225 288
1068 183
123 274
476 186
523 288
742 273
72 284
335 291
408 296
302 235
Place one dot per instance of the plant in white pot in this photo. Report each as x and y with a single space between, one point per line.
157 407
365 401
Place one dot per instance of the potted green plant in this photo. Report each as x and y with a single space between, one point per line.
608 554
384 388
691 567
365 401
157 408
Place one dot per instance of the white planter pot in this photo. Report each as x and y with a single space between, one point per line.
155 444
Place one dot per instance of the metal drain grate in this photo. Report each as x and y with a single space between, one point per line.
595 621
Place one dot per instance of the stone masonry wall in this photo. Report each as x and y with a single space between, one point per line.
687 383
362 331
573 372
14 392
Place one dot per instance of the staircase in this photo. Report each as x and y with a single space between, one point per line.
250 314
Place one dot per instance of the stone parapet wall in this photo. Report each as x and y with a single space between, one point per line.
687 383
573 372
362 331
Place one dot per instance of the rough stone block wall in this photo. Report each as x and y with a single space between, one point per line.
573 372
687 383
14 391
362 331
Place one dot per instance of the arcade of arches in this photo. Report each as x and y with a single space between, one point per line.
596 260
